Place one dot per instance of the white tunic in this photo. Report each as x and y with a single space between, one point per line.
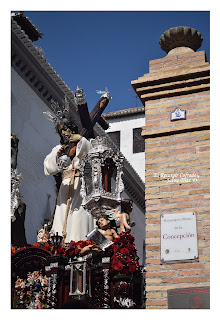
79 221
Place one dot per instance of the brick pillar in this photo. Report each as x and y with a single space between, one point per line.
181 79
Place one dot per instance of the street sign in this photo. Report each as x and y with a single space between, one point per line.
178 237
177 114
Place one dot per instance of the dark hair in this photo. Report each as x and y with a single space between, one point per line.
104 217
112 223
70 124
125 203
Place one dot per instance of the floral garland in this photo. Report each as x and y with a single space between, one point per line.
31 293
66 250
124 260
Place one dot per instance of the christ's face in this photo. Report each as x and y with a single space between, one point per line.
65 132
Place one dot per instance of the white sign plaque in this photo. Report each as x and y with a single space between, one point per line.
178 237
177 114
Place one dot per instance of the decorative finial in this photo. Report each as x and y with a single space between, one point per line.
105 93
180 40
79 96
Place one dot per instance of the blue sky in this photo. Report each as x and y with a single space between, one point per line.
109 49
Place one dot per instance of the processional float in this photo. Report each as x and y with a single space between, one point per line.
108 277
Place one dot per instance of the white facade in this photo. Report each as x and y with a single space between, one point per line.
125 125
37 136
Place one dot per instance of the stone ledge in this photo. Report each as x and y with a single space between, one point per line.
186 82
164 76
170 131
174 92
178 57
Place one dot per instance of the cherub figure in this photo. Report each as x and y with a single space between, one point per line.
126 208
104 228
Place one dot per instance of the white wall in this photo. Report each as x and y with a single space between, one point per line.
126 125
37 136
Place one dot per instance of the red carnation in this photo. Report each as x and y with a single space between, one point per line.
60 250
124 241
117 240
128 259
36 244
123 261
131 247
13 250
132 267
71 253
80 243
46 246
116 248
118 266
114 259
130 238
132 254
124 251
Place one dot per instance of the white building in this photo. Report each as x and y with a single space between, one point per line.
34 84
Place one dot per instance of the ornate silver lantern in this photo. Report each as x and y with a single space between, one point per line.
80 277
102 184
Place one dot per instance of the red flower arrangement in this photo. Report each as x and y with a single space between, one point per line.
66 250
125 259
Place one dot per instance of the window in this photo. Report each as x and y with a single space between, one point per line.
138 141
115 136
